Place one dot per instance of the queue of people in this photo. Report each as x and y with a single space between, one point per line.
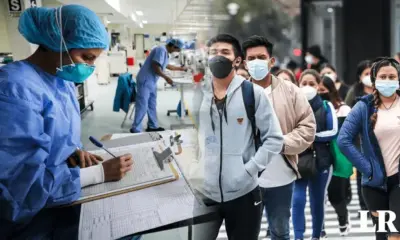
264 137
319 146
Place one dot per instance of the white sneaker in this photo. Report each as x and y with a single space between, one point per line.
344 230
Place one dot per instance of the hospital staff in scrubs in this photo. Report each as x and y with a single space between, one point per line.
152 69
41 164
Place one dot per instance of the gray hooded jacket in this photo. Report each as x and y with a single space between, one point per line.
227 151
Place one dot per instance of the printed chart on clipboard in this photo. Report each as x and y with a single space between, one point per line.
145 173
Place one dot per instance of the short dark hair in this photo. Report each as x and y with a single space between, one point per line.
256 41
226 38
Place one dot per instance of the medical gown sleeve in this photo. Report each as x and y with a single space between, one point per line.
29 181
159 56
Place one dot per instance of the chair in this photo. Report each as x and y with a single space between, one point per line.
131 111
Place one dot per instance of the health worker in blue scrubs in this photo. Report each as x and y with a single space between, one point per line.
41 164
152 69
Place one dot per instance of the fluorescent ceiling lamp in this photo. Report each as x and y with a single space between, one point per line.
133 17
141 25
139 13
144 21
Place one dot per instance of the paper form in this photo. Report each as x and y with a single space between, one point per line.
145 170
137 211
120 135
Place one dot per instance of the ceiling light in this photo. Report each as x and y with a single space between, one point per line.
141 25
139 13
144 21
330 10
108 21
133 17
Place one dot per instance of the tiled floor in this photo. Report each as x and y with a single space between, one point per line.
104 121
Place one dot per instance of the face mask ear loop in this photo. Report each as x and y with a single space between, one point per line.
59 23
59 26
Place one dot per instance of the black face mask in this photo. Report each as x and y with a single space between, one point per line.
220 66
325 96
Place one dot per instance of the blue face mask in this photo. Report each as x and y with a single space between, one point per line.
258 69
387 87
76 72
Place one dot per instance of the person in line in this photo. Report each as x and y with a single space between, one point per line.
151 70
327 128
362 87
397 57
330 71
298 125
314 58
343 169
40 125
293 66
287 75
376 118
242 71
227 145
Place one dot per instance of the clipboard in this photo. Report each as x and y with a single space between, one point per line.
127 190
135 187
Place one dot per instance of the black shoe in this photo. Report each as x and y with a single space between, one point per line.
160 129
131 130
323 234
268 233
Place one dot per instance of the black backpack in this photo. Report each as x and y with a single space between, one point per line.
250 105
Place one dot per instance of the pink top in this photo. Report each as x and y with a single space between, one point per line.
387 131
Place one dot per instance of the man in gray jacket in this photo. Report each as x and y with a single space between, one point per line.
226 144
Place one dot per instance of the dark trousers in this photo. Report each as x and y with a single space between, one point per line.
242 218
277 202
359 192
377 199
50 223
337 194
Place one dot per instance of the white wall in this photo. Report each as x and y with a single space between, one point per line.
4 41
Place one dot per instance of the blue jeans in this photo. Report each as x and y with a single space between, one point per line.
317 190
277 201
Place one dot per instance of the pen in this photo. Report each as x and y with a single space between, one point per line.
100 145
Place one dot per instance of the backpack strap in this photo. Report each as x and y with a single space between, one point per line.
249 103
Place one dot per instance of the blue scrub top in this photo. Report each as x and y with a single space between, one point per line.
40 128
158 55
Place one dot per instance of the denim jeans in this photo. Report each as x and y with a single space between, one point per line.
317 186
277 202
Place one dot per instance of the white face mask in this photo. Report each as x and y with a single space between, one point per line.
331 76
310 92
309 59
367 81
258 69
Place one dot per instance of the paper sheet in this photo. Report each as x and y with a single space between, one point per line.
138 211
145 170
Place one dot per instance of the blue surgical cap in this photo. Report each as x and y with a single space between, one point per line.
176 42
81 28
